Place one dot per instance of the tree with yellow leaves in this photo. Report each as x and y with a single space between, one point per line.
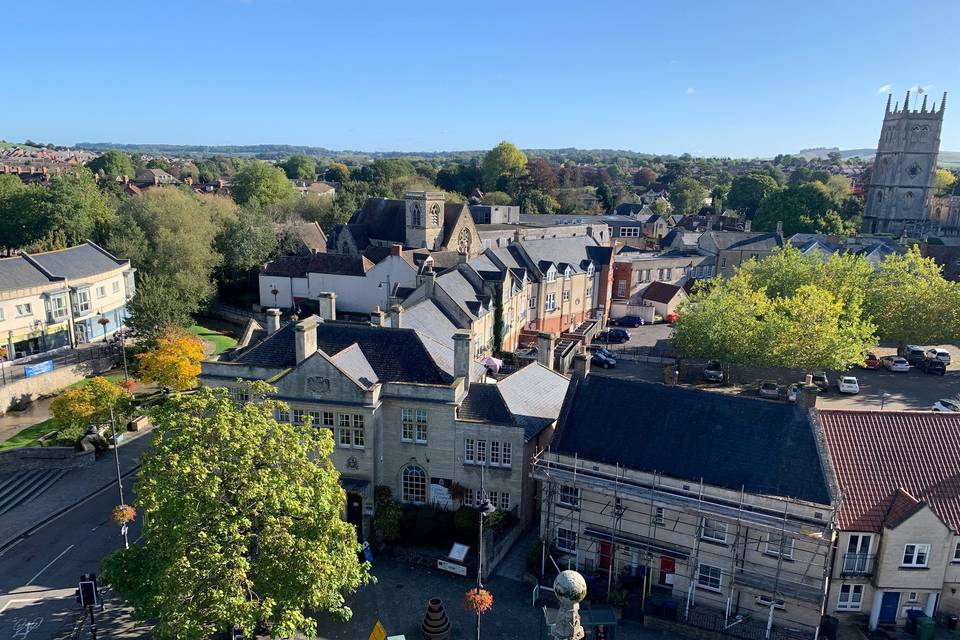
174 360
89 403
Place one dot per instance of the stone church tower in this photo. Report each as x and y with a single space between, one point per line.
901 187
424 219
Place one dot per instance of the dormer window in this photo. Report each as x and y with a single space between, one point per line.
551 274
590 270
567 272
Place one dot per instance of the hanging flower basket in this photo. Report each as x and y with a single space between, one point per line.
128 385
124 514
478 601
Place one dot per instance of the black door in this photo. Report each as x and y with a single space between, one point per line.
355 513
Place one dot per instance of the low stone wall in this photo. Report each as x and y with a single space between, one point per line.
32 458
26 390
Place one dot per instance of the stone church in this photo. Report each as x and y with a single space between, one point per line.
421 220
901 187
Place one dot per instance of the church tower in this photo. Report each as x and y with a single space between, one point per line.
424 220
901 187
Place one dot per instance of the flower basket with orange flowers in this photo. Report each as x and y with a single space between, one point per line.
123 514
478 601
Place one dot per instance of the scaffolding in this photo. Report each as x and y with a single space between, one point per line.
778 556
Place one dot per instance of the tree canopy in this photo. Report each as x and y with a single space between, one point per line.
748 191
173 359
243 523
504 162
300 167
112 164
261 183
686 196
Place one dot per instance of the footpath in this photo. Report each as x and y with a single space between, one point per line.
75 487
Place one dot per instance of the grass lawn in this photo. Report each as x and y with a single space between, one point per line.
221 341
112 377
29 436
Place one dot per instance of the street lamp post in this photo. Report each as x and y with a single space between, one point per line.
116 454
485 509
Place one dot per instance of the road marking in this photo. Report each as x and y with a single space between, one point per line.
50 564
95 528
11 546
22 627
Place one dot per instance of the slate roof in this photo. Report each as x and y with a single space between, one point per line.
534 395
729 441
394 355
483 403
628 208
571 251
382 219
877 454
427 317
329 263
746 240
74 263
661 292
463 293
354 362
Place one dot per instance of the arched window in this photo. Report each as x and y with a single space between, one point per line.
415 215
414 484
435 214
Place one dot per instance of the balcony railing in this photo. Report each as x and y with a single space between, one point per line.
857 564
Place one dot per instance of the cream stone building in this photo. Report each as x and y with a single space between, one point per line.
61 298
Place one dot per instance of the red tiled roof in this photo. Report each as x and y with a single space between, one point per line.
880 455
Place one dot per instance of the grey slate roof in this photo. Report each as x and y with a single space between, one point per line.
463 293
729 441
426 317
746 240
74 263
17 273
484 403
394 355
354 362
534 395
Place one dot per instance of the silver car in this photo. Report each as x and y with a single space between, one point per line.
936 353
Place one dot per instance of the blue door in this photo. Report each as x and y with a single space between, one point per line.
888 607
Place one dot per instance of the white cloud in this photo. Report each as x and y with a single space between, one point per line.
921 88
885 88
691 91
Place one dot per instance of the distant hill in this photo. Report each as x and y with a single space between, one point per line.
946 158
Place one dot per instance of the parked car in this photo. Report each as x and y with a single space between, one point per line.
769 389
871 361
949 406
895 363
933 367
821 380
713 371
913 354
626 321
936 353
672 317
606 353
613 335
848 384
793 391
599 360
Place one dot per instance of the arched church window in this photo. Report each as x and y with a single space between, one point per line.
435 214
415 215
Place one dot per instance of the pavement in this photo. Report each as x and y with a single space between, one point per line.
13 422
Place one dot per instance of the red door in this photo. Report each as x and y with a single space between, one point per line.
605 555
667 567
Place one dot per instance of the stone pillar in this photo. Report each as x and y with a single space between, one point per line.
273 320
306 338
396 316
875 610
570 589
327 302
463 356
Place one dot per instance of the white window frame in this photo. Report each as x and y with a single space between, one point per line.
550 304
24 309
532 303
329 419
469 451
551 274
240 394
344 433
629 232
481 452
100 292
494 453
659 518
566 540
506 454
83 301
705 580
359 434
848 604
410 493
569 496
621 289
406 424
712 538
779 545
566 295
116 286
504 501
915 550
298 415
57 312
421 424
283 415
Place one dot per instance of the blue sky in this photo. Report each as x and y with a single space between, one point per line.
739 78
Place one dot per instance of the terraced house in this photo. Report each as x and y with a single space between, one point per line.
406 412
61 298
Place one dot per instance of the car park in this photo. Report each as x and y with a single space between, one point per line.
848 384
896 364
945 405
913 354
820 379
713 371
933 367
871 361
599 360
626 321
936 353
606 353
613 335
769 389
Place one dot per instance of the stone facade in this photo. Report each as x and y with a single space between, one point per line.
901 187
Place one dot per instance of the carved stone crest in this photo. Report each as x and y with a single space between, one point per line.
318 384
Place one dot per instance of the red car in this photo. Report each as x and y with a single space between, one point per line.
872 362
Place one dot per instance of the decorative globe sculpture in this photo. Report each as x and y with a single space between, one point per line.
570 589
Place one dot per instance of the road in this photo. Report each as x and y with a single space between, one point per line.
39 573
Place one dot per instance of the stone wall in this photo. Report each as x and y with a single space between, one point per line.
31 458
26 390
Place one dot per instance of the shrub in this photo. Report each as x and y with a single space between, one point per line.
465 524
387 520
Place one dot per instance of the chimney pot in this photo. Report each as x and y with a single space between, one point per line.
581 366
462 357
377 318
305 336
396 316
273 321
327 301
395 249
545 348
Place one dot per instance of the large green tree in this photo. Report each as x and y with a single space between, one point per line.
687 195
245 243
243 523
502 164
157 306
112 164
300 167
261 183
748 191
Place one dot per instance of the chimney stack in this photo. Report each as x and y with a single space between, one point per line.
545 347
273 321
306 337
327 301
396 316
378 317
395 249
581 366
462 357
807 396
779 227
747 225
